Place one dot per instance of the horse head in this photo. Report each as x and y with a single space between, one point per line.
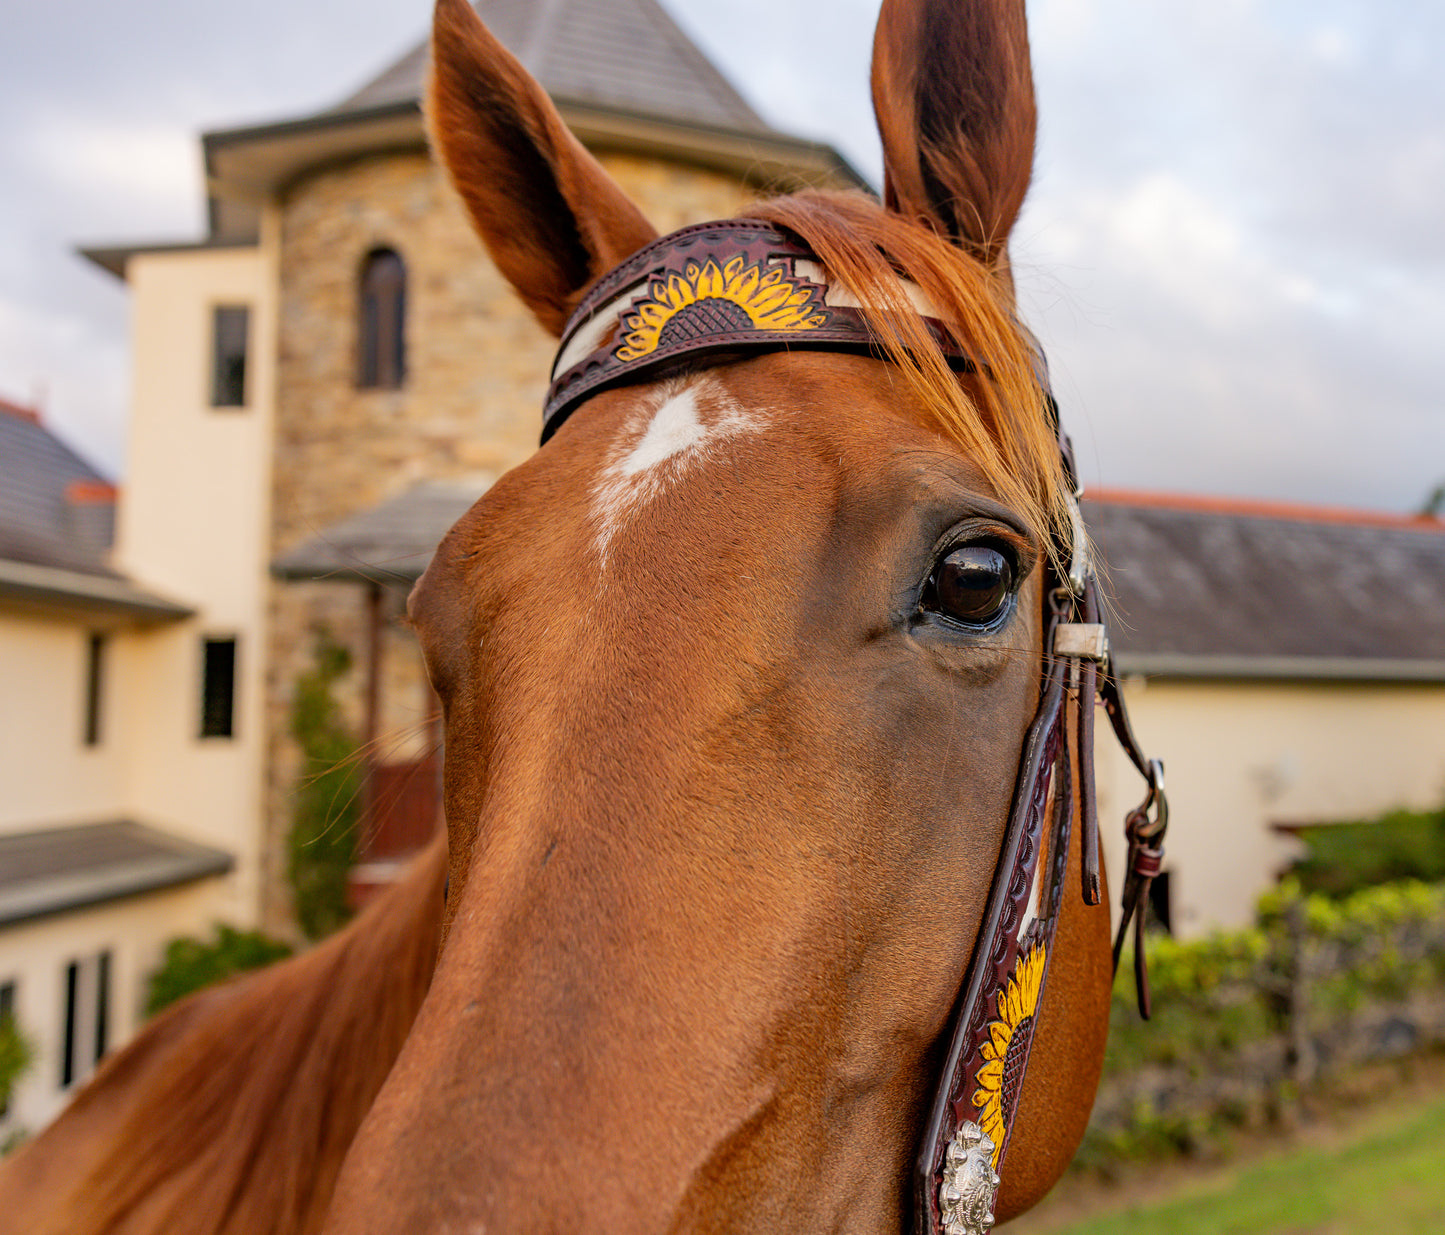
739 673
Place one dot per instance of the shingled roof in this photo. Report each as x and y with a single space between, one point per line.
1207 588
1198 587
627 54
55 508
54 870
391 542
57 520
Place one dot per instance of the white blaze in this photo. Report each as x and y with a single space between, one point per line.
660 445
674 429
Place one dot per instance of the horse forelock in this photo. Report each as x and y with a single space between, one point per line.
1003 422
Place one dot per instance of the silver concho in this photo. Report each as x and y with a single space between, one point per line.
965 1197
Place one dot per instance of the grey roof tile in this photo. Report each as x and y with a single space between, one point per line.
623 54
1196 579
1285 593
53 870
388 543
38 521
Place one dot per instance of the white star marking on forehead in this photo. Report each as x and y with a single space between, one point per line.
674 433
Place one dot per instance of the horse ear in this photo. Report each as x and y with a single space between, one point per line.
552 218
953 93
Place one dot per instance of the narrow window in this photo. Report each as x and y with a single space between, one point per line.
102 1006
381 328
87 1017
72 1015
218 688
230 325
94 687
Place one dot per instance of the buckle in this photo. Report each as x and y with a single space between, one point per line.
1148 821
1085 640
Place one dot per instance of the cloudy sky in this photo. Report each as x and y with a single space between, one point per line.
1234 249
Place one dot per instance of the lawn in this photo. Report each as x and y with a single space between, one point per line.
1384 1177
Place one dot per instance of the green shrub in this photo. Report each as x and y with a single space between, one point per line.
1206 1002
16 1056
1313 956
328 798
1214 995
192 963
1343 858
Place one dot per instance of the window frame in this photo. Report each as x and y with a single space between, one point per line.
230 392
381 307
9 1000
85 1015
204 728
92 733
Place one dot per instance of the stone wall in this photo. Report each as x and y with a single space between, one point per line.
476 373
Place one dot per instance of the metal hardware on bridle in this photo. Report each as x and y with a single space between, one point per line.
712 292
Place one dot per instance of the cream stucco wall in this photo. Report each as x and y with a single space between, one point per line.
50 776
194 523
1241 756
194 526
35 956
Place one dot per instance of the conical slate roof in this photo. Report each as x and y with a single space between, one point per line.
623 54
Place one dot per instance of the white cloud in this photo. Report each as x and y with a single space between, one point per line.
77 374
1333 46
109 168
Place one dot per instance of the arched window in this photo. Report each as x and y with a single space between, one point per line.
381 334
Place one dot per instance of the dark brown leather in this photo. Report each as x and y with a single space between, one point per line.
998 946
1144 827
1088 797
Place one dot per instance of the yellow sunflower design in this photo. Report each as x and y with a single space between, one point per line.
708 299
1006 1050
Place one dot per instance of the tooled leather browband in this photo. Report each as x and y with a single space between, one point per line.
742 287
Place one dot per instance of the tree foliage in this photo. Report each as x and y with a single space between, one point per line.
1344 858
328 796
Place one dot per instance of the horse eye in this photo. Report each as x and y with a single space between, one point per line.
970 584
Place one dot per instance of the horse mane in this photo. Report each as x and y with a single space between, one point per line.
209 1120
1008 428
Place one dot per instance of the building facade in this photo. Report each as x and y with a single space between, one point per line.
1288 664
129 771
328 379
384 355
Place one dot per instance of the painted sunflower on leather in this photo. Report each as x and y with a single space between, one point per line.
707 299
1007 1048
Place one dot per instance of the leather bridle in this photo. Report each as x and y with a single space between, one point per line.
742 287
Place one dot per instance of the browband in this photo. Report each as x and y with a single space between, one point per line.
742 287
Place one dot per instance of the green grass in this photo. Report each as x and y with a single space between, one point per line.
1386 1179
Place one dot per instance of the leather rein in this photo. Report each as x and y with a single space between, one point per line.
742 287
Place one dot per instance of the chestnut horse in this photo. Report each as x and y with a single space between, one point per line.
738 675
